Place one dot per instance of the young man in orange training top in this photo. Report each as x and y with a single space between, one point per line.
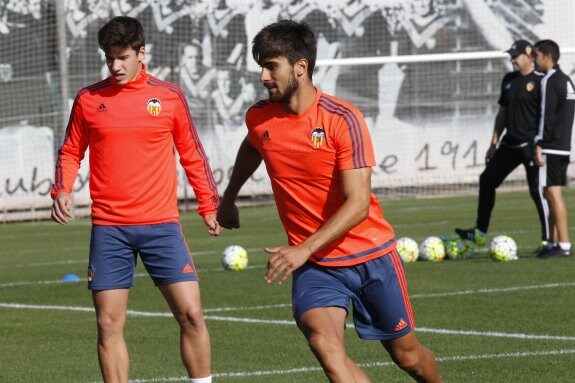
131 122
318 154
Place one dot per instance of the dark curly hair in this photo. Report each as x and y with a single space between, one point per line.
291 39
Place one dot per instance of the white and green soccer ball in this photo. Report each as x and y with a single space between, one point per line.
407 249
457 248
432 249
503 249
234 257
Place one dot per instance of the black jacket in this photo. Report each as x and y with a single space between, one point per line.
557 111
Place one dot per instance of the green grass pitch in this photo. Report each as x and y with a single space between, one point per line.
486 321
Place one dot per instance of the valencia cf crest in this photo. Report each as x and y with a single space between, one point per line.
154 106
90 273
317 137
530 85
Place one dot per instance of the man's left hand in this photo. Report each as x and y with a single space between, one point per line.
538 157
283 262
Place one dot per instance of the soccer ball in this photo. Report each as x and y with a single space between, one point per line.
407 249
234 257
503 249
432 249
457 248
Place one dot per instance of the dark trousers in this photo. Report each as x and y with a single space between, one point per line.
503 162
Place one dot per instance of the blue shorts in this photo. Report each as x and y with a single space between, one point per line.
377 290
114 251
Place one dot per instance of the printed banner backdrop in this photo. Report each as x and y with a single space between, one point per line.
431 122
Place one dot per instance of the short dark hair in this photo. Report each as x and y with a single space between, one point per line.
289 38
121 32
549 48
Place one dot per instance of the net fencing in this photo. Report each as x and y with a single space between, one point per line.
426 74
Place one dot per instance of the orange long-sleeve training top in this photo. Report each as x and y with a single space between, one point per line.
131 131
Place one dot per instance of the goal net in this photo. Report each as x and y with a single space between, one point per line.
426 74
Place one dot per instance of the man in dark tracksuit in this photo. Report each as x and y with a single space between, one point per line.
553 143
519 112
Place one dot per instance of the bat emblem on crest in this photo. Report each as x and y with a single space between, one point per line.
318 137
154 106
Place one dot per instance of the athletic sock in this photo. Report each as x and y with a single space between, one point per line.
201 380
565 245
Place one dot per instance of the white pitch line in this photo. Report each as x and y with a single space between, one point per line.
494 334
45 307
444 359
282 322
412 296
135 313
85 260
28 283
41 233
44 264
494 290
83 280
246 308
84 249
456 358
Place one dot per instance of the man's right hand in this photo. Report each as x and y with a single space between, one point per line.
228 215
490 152
61 208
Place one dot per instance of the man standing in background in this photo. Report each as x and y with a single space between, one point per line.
553 144
518 116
